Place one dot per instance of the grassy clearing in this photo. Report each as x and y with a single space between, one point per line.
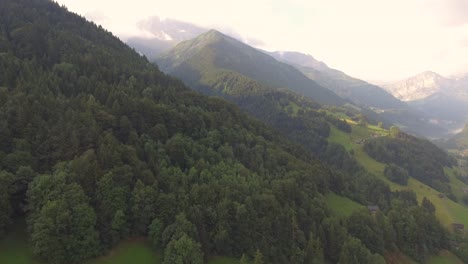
14 248
444 257
447 211
398 258
134 251
456 184
342 206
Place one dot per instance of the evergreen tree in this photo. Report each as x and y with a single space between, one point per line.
184 251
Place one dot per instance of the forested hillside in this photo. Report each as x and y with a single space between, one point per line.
417 157
98 146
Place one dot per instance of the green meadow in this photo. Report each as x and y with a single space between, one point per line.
447 211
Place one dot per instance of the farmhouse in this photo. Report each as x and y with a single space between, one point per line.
458 226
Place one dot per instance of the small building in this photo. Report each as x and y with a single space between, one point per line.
359 141
373 208
458 226
441 196
465 190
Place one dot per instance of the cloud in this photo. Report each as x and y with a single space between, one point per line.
451 13
378 40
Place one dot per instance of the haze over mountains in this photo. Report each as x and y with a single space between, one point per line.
445 99
356 90
162 34
427 104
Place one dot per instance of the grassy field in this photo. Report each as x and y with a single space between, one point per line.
444 257
342 206
14 248
134 251
398 258
447 211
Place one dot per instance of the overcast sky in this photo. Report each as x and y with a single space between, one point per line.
376 40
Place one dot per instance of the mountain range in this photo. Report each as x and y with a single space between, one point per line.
444 99
198 61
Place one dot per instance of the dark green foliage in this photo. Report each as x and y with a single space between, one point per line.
355 253
340 124
428 206
244 259
63 226
155 233
363 225
144 201
6 210
184 251
420 158
396 174
417 231
258 258
313 253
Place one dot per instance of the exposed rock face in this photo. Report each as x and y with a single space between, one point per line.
420 86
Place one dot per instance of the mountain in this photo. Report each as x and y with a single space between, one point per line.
213 50
444 99
162 34
364 94
355 90
420 86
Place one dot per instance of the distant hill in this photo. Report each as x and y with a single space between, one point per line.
214 50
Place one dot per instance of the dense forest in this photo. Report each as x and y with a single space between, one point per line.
97 146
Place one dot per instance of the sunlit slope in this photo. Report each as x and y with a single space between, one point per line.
447 211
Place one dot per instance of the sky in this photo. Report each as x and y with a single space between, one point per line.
376 40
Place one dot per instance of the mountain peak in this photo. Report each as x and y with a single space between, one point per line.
419 86
428 74
212 35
